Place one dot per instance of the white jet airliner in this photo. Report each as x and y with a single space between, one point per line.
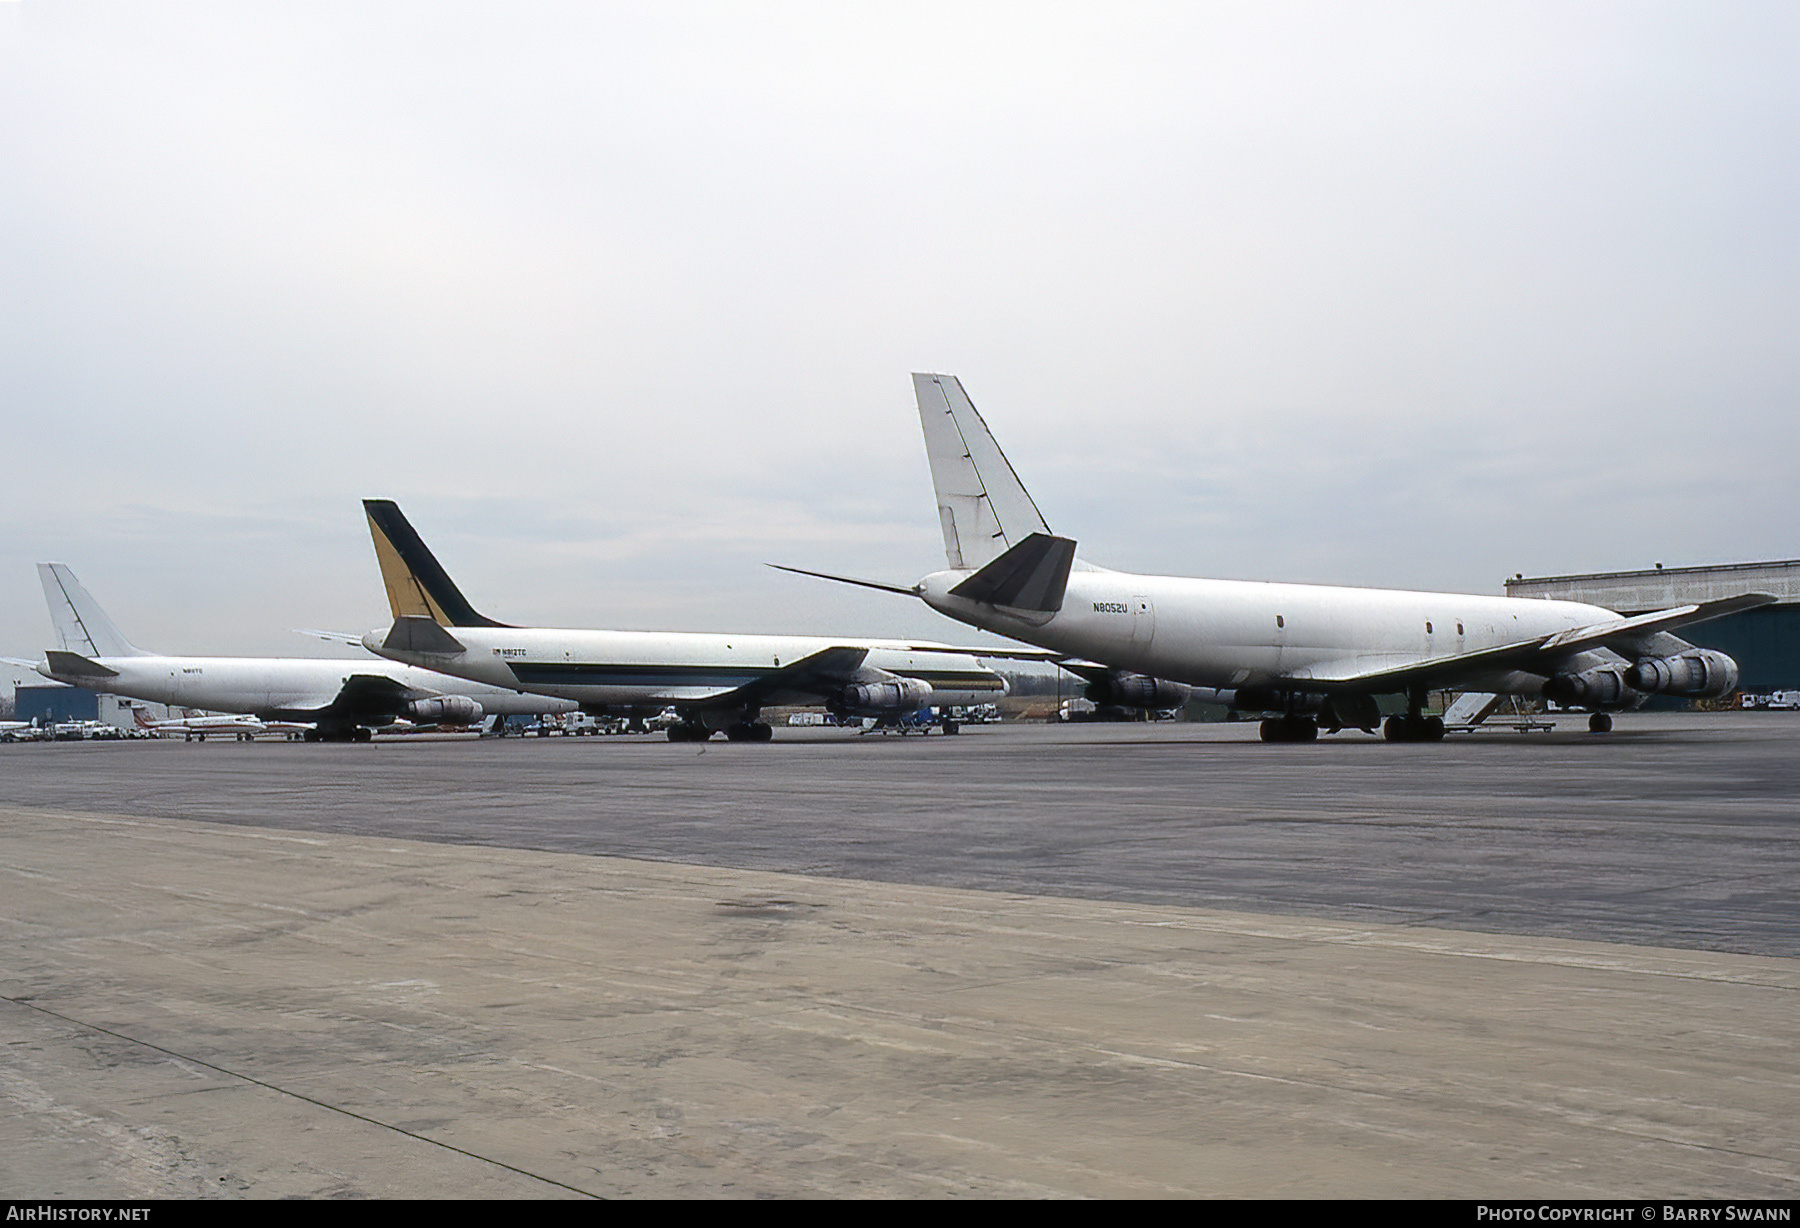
714 681
341 700
1309 655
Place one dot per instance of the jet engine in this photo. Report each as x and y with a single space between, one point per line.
1119 689
900 695
1702 673
444 710
1601 687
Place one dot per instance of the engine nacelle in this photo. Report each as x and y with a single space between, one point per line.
444 710
1602 687
1124 690
900 695
1702 673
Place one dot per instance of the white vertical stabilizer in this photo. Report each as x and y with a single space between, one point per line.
982 505
81 625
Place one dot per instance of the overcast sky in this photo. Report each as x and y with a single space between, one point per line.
620 301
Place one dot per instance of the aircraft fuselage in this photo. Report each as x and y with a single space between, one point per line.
271 687
1234 633
637 668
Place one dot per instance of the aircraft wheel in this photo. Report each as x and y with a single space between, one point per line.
952 727
1270 730
764 733
311 735
1599 722
1395 730
1433 729
361 735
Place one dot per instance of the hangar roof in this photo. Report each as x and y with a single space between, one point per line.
1658 588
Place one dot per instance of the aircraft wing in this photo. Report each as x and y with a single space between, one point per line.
1386 673
809 678
997 654
1626 631
377 692
1093 671
362 696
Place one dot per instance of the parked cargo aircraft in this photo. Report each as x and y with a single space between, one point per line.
341 700
715 682
1308 655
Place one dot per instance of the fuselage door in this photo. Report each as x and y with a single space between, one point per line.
1143 622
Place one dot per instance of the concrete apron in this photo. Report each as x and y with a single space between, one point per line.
194 1009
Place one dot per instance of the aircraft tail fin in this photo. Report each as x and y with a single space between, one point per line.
983 508
417 584
82 627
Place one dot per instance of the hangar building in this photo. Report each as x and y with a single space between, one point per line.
1765 642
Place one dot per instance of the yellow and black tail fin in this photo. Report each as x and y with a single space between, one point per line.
417 584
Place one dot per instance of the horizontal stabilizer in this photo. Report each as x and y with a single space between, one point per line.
416 633
1033 575
903 590
74 665
330 637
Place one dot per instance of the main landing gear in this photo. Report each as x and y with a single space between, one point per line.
1599 722
1412 728
1415 726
